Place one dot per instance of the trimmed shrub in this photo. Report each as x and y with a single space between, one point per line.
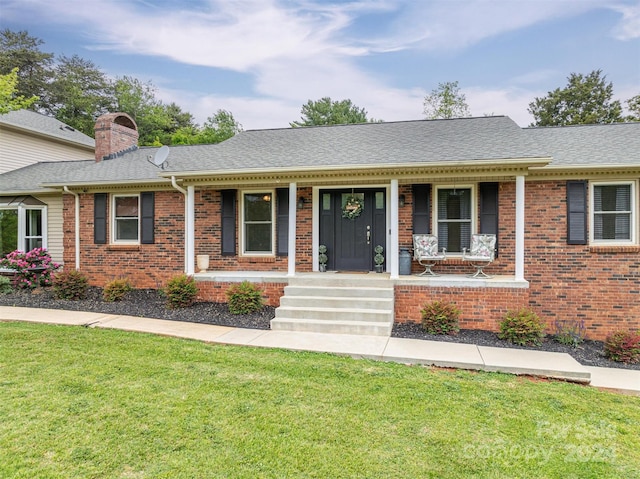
623 347
569 332
244 298
71 285
116 289
5 285
523 327
180 291
440 317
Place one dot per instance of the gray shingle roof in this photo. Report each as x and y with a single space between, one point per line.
616 144
368 144
361 146
29 178
45 125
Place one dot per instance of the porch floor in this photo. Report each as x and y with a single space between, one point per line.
445 280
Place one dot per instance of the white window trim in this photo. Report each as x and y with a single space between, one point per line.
634 221
434 209
22 225
243 233
114 240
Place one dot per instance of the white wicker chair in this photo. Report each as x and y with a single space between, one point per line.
425 252
481 253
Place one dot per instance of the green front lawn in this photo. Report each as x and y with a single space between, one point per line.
78 402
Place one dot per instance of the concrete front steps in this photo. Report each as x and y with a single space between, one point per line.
336 304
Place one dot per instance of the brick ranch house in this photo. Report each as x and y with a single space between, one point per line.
563 203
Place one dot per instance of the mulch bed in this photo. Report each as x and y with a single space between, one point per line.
151 304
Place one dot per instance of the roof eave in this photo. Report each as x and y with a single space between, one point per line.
108 183
321 170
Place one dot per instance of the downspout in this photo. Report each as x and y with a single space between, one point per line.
188 227
77 222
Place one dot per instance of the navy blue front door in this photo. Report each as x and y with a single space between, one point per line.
350 241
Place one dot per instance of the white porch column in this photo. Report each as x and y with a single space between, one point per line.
190 230
293 202
519 228
392 256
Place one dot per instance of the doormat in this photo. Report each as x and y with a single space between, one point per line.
353 272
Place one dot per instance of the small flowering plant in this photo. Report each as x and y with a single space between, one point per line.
33 268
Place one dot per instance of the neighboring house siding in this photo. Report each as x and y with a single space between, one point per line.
19 150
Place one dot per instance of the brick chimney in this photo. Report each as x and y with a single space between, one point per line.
116 134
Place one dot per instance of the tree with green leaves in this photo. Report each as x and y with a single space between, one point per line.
586 99
446 101
9 99
327 112
219 127
79 93
35 67
633 104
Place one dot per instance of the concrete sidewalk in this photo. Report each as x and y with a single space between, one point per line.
409 351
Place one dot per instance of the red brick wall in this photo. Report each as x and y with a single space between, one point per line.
597 285
504 263
217 292
146 265
208 234
481 308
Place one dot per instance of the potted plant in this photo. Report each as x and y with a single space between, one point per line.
378 259
322 258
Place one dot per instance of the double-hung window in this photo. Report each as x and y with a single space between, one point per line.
126 218
258 223
22 224
454 218
613 216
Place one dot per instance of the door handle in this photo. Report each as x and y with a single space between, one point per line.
368 234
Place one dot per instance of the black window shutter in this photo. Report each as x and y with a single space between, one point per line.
576 212
489 210
282 221
147 217
100 218
421 209
228 222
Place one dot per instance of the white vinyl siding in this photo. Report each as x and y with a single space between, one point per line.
19 150
54 227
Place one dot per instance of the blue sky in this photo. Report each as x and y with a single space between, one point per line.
263 59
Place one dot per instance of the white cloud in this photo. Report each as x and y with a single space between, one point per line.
442 25
512 102
629 26
297 50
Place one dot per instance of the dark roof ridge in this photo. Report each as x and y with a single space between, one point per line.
419 120
551 127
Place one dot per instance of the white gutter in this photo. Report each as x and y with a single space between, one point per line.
189 213
77 227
